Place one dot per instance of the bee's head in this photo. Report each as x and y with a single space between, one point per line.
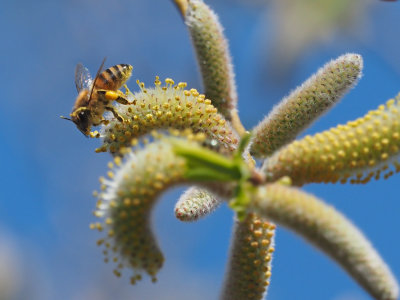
82 121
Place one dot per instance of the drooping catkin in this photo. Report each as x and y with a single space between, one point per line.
249 268
125 202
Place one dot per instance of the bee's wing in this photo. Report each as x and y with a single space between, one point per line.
83 80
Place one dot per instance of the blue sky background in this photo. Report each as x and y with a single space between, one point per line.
49 169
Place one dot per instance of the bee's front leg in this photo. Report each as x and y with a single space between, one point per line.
115 113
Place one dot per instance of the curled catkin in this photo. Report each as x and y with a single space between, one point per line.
128 196
125 202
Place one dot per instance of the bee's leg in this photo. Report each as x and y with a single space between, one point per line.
114 96
116 115
104 122
122 99
94 134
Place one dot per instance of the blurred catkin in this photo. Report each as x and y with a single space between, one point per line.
330 232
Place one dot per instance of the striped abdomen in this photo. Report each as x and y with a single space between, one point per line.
114 77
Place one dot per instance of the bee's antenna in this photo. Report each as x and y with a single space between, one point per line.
65 118
97 76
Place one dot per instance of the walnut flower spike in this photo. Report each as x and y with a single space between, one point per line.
316 221
249 268
125 202
195 203
164 107
213 58
329 231
129 194
305 104
360 150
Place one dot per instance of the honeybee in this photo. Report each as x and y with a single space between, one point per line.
96 95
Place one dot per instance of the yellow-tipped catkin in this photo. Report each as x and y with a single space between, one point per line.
356 152
330 232
249 270
165 107
195 203
305 104
125 204
213 56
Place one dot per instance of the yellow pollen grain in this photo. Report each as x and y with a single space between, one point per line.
169 81
341 153
182 85
254 244
194 92
209 109
265 242
257 233
127 201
